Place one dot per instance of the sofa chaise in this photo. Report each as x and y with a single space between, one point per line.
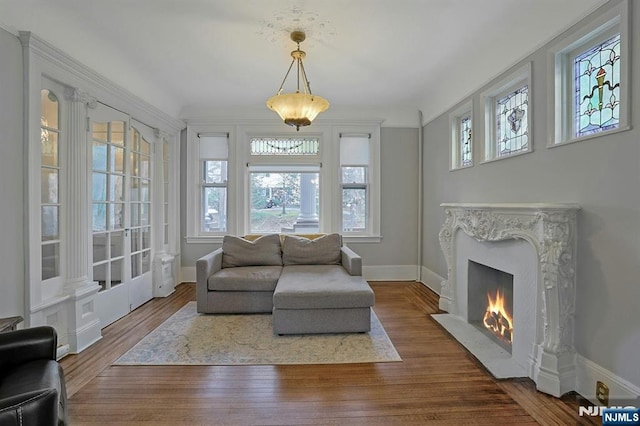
311 284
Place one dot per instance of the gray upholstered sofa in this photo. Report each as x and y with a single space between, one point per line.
311 284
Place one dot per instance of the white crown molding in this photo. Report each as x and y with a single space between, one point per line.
71 72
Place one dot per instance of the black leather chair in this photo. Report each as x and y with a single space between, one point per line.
32 389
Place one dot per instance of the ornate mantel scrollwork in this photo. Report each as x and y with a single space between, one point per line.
550 229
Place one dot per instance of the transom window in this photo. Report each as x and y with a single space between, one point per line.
284 146
588 79
507 107
512 111
461 122
597 88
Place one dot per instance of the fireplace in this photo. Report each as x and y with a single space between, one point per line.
528 250
490 303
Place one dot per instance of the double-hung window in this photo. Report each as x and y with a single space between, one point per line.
214 153
355 160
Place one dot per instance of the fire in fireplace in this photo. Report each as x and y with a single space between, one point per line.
490 303
497 318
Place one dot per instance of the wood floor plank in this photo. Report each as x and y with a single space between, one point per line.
438 382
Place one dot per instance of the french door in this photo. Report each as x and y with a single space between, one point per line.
120 213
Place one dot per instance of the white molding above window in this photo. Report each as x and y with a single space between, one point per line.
560 88
455 119
510 83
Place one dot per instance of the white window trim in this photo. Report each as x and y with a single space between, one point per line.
559 75
372 233
464 111
194 233
238 185
511 82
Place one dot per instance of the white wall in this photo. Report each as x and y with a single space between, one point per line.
602 175
11 182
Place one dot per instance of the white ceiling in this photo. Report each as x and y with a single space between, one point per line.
190 57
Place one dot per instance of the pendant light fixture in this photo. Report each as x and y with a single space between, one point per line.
300 108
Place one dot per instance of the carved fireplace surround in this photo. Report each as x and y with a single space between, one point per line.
551 231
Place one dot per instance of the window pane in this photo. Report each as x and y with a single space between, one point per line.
284 202
117 244
100 275
50 261
135 240
215 171
99 187
511 120
354 175
597 88
116 216
354 209
100 247
117 272
135 214
99 158
146 261
49 148
116 188
215 209
287 146
50 223
135 265
99 216
117 132
465 141
116 162
49 186
144 214
100 131
50 109
145 238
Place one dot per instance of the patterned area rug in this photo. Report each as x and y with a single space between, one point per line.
188 338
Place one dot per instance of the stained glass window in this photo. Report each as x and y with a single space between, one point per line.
597 88
512 130
464 136
286 146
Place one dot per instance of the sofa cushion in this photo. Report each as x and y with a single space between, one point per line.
324 250
245 278
321 287
264 251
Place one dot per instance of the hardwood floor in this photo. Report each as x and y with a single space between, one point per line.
438 382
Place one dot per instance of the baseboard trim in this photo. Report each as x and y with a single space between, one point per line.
621 392
187 274
431 279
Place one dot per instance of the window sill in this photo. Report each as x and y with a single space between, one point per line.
493 160
589 137
361 238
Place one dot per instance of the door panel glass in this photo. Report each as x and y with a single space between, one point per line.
50 261
116 160
99 156
117 272
99 187
116 216
49 186
49 223
116 188
49 141
100 247
117 244
99 217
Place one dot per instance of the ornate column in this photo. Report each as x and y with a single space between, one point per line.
83 322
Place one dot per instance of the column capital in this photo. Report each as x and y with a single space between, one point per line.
74 94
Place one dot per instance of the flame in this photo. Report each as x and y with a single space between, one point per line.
497 319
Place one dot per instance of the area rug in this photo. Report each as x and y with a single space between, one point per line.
189 338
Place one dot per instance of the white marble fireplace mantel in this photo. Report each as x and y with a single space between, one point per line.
551 230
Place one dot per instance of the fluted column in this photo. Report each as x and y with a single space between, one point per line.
77 189
82 321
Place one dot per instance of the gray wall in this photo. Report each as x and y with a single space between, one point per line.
601 174
399 204
11 170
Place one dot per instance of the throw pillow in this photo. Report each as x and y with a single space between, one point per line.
324 250
263 251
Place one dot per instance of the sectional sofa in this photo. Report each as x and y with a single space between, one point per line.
311 284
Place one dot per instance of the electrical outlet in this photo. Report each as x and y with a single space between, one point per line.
602 393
